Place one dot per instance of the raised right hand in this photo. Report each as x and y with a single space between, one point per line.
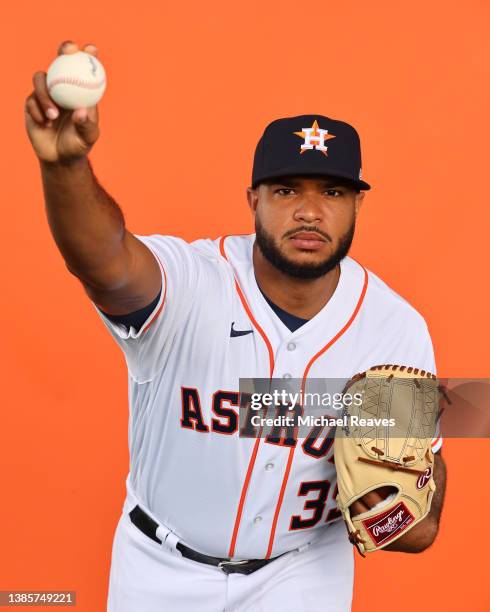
57 134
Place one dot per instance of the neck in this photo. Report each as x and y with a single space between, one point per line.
301 297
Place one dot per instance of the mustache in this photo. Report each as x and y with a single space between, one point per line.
307 228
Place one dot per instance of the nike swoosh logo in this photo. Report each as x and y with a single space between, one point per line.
234 333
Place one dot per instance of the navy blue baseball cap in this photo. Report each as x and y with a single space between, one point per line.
309 145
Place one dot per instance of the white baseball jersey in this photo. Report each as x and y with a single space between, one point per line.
221 494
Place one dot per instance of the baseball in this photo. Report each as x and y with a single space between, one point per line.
76 80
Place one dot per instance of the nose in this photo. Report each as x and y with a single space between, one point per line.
309 210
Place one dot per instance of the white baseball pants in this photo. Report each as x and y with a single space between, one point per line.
147 577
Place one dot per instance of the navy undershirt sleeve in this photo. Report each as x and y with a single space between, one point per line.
137 318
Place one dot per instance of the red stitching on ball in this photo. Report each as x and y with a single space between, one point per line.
77 82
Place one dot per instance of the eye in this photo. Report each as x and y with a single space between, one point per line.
334 193
284 191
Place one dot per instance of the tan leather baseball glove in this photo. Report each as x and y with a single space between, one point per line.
387 443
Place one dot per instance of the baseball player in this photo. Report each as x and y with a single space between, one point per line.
214 520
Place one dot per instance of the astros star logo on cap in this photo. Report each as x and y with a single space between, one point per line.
314 134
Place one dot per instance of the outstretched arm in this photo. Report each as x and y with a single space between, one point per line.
118 271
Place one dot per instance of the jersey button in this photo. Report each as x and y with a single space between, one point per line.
291 346
287 376
257 520
269 467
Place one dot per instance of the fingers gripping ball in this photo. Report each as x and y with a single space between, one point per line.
76 80
387 446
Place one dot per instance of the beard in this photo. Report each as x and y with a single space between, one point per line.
273 254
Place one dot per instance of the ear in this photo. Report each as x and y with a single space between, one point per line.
253 198
359 200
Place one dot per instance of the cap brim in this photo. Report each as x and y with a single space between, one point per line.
283 172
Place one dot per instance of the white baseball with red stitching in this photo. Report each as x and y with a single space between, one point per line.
76 80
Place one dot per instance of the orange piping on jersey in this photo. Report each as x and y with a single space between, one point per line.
341 332
157 313
249 312
305 375
434 442
243 495
253 457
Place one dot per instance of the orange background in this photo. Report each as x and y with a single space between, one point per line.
191 87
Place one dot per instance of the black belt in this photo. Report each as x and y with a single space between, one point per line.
149 527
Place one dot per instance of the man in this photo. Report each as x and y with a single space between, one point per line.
214 521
